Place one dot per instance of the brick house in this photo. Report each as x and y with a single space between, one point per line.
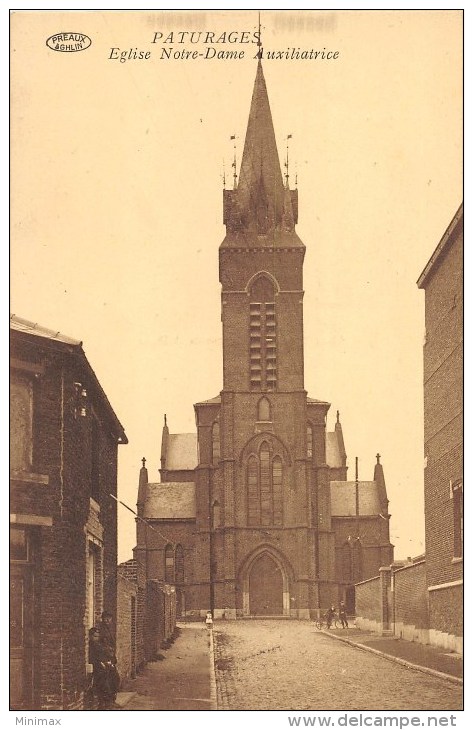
442 281
63 536
253 514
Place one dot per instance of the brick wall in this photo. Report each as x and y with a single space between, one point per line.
368 604
127 602
411 610
446 617
443 434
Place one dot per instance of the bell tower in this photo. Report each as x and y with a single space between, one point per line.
260 268
262 537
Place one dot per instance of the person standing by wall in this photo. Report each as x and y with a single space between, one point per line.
107 641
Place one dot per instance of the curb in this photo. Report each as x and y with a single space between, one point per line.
213 680
397 660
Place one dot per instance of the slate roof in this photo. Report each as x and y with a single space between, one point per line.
170 501
181 451
343 498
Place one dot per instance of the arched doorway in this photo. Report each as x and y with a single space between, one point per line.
266 587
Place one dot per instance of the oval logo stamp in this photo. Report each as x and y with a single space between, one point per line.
69 42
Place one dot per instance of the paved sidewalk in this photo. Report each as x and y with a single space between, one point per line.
184 680
424 657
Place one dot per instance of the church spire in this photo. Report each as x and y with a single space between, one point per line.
260 187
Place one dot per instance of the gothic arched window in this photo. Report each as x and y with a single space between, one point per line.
216 443
263 370
169 564
264 487
216 514
264 410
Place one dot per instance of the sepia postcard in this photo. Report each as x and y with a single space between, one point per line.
236 365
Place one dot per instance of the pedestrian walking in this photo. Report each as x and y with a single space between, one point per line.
342 615
209 620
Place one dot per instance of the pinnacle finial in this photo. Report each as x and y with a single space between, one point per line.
286 162
165 420
338 416
143 461
234 163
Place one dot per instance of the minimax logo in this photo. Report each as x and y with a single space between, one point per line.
69 42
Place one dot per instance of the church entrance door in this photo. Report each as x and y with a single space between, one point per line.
266 587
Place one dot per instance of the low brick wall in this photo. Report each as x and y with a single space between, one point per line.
411 609
446 617
368 605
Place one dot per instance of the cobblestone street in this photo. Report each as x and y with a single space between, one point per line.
289 665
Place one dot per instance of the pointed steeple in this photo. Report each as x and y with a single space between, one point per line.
261 204
379 479
261 184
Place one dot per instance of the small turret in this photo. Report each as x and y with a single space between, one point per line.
379 479
341 442
142 488
164 443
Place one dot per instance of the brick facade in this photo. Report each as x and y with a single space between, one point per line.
442 281
259 537
57 408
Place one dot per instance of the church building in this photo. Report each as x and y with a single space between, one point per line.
253 514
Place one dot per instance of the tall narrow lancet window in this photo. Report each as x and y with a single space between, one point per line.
357 560
264 486
264 410
254 507
347 573
215 443
309 442
263 365
265 483
169 564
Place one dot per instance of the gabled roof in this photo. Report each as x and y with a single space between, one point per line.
36 333
170 501
32 328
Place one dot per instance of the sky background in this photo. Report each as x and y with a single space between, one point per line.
116 213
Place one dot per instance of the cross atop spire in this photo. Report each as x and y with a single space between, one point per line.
378 457
143 461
